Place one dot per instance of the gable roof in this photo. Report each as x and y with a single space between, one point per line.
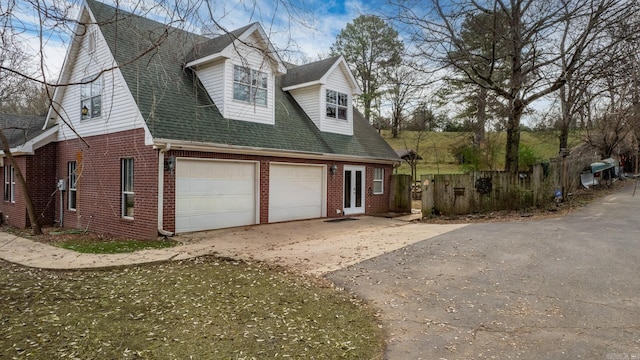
317 73
20 128
221 46
215 45
308 73
177 108
25 132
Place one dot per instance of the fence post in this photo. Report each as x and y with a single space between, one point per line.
426 181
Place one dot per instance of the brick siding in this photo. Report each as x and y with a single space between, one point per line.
374 204
39 172
98 196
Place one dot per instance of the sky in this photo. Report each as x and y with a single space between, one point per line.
299 28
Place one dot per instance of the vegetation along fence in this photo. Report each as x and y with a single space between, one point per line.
482 191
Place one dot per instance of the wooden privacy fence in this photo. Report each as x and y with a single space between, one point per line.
482 191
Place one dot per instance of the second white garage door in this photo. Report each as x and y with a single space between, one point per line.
296 192
215 194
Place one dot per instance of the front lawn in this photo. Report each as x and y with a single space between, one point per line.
205 308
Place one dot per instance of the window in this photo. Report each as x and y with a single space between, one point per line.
378 181
91 98
9 183
73 179
128 200
249 85
91 42
337 105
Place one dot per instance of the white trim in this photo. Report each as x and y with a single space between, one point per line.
303 85
353 209
381 181
246 150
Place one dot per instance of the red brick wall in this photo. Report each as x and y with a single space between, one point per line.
98 196
41 175
39 172
373 203
15 213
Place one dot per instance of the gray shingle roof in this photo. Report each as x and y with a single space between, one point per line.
176 106
21 128
215 45
308 72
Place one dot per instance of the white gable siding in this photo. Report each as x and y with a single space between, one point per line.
254 59
213 79
309 98
119 111
338 82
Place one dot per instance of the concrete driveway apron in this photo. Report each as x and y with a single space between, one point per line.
564 288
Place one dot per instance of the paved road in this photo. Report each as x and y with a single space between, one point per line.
566 288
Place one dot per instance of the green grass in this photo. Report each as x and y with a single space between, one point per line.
435 148
204 308
114 246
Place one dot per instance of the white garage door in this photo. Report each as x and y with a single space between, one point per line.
296 192
214 194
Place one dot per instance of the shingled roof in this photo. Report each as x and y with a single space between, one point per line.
21 128
177 107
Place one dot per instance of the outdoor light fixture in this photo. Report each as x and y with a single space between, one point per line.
171 163
85 110
333 169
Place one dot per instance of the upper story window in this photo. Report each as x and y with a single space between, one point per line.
91 98
249 85
337 105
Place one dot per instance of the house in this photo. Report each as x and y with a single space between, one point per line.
165 131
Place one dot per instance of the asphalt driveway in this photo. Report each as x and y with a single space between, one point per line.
563 288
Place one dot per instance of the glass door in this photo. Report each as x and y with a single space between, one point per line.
354 185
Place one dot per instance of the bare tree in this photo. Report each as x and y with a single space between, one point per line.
530 59
404 88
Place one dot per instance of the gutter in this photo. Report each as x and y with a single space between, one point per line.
161 153
247 150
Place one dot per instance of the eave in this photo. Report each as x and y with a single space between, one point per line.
30 146
167 144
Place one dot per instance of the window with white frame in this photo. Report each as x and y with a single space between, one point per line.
337 105
128 196
91 98
9 184
249 85
73 179
378 181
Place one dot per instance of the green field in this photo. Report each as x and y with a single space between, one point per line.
435 148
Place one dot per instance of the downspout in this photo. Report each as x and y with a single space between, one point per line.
161 230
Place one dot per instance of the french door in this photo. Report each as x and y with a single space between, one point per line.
354 177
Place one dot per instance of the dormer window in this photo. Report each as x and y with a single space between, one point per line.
249 85
337 105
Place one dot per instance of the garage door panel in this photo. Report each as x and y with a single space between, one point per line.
214 194
296 192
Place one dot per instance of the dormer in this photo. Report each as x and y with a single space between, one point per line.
325 90
238 70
